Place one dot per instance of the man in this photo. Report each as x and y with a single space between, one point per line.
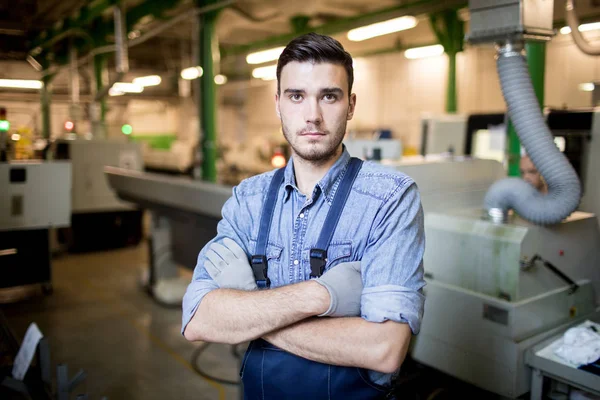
531 175
295 351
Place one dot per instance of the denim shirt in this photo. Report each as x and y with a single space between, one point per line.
381 226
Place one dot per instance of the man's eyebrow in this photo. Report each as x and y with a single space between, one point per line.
335 90
293 91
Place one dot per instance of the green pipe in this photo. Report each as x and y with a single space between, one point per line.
451 94
45 101
209 55
536 63
99 72
344 24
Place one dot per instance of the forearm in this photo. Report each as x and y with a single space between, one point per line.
351 342
234 316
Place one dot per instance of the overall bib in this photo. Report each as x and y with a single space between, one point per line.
270 373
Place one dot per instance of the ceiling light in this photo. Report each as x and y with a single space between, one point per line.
587 87
265 73
127 87
191 73
20 84
382 28
220 79
426 51
115 92
151 80
565 30
16 137
264 56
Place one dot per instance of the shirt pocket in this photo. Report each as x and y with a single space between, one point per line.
338 252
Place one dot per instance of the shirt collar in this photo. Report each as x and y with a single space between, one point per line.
328 184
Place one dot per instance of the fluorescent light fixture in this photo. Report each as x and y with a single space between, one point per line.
565 30
16 137
127 87
220 79
265 73
151 80
192 73
382 28
426 51
264 56
20 84
114 92
587 87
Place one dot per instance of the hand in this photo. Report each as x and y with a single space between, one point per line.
344 284
228 265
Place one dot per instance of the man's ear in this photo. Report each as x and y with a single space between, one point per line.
277 105
351 106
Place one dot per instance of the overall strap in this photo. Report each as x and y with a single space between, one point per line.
318 255
259 259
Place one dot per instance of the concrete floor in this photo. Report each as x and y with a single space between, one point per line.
100 320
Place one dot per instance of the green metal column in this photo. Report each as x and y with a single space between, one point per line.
209 57
451 94
99 73
45 102
450 31
536 62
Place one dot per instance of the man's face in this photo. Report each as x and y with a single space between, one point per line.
530 174
314 108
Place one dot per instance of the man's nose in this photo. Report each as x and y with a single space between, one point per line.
313 112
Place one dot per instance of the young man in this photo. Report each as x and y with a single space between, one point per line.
311 263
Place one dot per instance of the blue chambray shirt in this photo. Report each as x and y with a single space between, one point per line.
381 226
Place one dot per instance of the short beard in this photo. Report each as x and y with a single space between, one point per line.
314 156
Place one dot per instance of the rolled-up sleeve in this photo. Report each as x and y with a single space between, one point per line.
392 264
231 226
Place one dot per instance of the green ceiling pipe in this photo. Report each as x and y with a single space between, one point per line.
46 95
99 74
209 59
450 31
344 24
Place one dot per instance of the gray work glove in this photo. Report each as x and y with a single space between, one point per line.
228 265
344 284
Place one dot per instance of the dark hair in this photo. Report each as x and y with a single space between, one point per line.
316 48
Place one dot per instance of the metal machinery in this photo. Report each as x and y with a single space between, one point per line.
34 197
99 219
495 289
185 214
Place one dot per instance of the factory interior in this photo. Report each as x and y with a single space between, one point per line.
125 125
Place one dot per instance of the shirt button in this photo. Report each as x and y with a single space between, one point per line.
302 215
296 262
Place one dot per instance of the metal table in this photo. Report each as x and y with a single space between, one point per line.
544 367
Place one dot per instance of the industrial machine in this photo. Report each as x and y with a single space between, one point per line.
99 219
35 196
509 267
185 214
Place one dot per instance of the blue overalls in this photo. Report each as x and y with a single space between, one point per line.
270 373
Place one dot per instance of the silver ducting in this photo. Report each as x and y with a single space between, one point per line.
564 187
121 52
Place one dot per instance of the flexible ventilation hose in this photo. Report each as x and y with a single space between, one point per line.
564 188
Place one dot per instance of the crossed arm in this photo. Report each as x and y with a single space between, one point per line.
282 316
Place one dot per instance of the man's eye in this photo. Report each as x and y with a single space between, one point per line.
296 97
330 97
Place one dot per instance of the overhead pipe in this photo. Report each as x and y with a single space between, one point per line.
573 23
121 53
148 35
